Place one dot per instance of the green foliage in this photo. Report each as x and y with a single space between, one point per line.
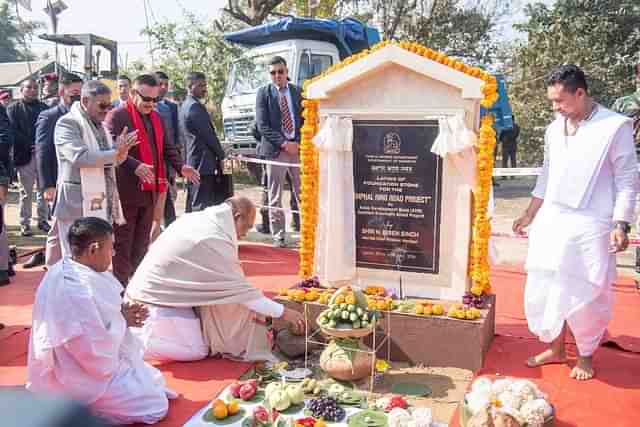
14 35
196 45
600 36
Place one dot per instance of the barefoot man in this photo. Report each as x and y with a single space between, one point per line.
579 214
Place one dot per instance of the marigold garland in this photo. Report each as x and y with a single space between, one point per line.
309 187
478 256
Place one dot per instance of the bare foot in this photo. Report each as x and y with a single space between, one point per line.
547 357
583 370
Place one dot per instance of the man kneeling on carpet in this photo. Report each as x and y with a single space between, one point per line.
194 264
80 344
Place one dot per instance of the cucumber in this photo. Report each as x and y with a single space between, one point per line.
356 325
343 306
359 311
345 315
353 317
332 323
351 307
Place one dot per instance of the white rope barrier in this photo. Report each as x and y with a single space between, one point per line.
242 158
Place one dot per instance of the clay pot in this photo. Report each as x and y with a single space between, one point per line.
341 368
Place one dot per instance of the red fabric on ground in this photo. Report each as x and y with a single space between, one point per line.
611 399
508 284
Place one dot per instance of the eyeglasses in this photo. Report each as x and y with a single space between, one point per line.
274 72
147 98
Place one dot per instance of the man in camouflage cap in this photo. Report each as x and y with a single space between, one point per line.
630 106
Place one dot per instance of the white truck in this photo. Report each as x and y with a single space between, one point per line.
308 45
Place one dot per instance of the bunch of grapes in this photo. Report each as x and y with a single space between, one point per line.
473 301
311 282
326 408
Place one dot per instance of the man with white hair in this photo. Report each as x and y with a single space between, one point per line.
86 157
194 264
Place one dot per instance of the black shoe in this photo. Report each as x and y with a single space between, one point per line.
13 255
44 226
280 243
4 278
25 231
296 225
35 261
263 228
10 270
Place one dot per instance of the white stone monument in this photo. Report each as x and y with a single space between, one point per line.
412 208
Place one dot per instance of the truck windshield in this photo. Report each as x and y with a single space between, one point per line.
250 73
312 64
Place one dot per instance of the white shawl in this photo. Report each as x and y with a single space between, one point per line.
92 179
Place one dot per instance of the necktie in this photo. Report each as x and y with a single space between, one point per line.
287 123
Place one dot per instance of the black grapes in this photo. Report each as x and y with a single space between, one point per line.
326 408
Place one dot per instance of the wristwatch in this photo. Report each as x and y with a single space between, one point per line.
622 225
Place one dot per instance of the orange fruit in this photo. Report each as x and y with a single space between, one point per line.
220 411
381 305
350 299
233 407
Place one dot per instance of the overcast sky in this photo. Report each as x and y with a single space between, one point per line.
122 20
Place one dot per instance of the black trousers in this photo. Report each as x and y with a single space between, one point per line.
169 210
209 192
131 240
509 155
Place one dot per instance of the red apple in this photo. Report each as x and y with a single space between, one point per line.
253 382
235 389
260 414
247 392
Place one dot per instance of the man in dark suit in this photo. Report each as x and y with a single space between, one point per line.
45 153
6 141
279 119
23 115
204 151
169 112
142 177
46 161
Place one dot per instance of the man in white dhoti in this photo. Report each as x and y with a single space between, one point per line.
579 215
194 264
80 344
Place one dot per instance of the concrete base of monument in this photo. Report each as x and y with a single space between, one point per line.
426 340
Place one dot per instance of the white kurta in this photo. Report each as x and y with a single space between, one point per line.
80 347
570 269
194 264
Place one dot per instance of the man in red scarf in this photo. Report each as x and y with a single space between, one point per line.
142 178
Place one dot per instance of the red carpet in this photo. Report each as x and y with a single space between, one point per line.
508 284
611 399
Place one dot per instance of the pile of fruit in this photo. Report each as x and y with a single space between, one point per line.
244 390
281 396
262 418
347 310
310 386
310 282
222 410
472 300
378 291
326 408
425 308
319 295
310 422
464 312
388 404
375 302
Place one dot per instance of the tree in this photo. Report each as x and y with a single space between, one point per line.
251 12
600 36
14 36
196 45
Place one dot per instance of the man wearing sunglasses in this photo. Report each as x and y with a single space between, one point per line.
142 179
279 119
87 157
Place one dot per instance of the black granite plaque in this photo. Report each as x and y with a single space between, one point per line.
398 193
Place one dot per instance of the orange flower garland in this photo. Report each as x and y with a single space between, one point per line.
478 258
309 187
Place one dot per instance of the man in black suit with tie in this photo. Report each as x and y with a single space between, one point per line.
204 151
279 119
46 160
